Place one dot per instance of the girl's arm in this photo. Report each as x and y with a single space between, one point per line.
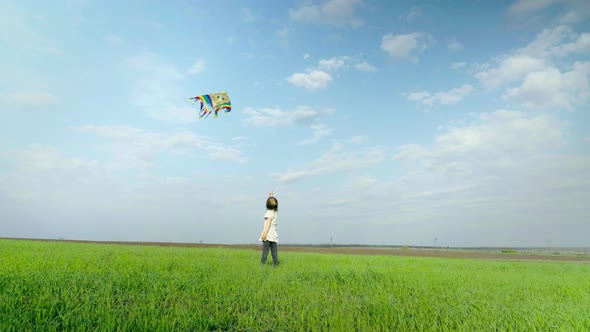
266 228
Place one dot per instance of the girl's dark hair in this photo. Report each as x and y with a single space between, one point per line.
272 203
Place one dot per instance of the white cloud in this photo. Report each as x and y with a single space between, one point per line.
343 62
114 40
362 182
358 139
46 176
320 76
536 56
364 66
41 157
458 65
538 75
414 13
283 33
545 41
307 14
311 80
559 41
581 45
34 99
448 97
53 194
301 116
319 131
18 30
403 46
455 46
557 11
509 70
501 174
305 56
550 88
220 152
247 15
496 138
578 11
136 148
283 36
159 89
149 63
271 117
335 161
333 64
197 67
333 12
527 6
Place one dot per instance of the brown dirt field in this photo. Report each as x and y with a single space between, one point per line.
384 251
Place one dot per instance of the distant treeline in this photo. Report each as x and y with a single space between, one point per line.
351 245
325 245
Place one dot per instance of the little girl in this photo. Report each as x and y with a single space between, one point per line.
269 236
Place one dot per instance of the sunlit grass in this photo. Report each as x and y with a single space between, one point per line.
54 286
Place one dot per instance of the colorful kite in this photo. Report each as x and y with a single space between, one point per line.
213 103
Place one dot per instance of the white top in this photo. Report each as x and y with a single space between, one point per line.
272 234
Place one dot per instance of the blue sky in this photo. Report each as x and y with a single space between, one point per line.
374 122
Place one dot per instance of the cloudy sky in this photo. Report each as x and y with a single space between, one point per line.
373 121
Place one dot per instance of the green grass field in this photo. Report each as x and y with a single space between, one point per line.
61 286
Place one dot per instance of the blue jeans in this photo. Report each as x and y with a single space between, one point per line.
273 250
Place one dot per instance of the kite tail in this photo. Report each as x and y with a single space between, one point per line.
205 111
205 105
222 107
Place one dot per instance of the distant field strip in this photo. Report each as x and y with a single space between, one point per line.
57 286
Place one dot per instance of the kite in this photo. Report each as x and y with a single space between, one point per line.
213 103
